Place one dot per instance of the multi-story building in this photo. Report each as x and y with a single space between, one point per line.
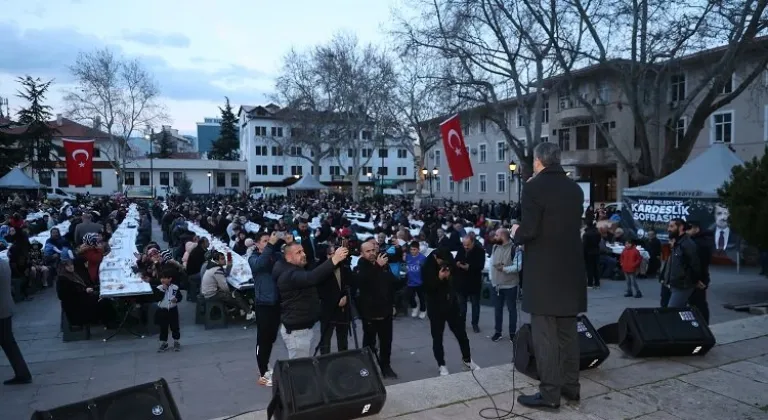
587 156
273 161
181 143
208 131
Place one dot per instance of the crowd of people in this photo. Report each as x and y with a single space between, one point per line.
334 261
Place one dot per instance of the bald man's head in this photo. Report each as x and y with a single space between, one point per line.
502 235
369 250
294 254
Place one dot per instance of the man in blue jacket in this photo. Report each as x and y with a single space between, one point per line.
267 303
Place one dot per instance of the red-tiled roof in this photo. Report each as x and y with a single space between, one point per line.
67 129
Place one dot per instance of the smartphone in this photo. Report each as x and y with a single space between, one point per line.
229 257
345 243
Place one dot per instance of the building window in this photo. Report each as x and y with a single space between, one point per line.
383 171
520 117
294 151
501 151
564 139
334 152
144 178
437 158
727 86
466 186
679 131
97 181
261 151
582 137
545 112
130 178
234 179
367 153
335 170
367 170
319 170
277 131
467 129
383 153
501 182
367 135
165 178
261 170
261 131
677 86
402 153
351 153
349 170
277 151
544 139
221 179
96 152
177 177
297 170
402 171
482 125
603 93
437 184
44 178
722 127
451 184
62 179
483 183
601 140
277 170
482 153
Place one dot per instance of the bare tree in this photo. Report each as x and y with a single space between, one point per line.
117 94
338 96
640 44
494 57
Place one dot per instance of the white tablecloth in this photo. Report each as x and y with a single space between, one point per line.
116 276
42 237
240 277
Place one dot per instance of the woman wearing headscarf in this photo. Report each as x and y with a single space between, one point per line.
18 257
80 298
92 252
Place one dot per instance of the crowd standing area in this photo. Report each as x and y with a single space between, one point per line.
236 260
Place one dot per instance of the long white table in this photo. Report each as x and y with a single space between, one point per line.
43 237
240 277
116 276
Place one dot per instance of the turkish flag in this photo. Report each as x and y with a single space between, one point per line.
455 149
79 154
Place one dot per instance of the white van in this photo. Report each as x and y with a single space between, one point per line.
257 193
58 194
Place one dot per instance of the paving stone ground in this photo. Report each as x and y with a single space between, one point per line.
215 374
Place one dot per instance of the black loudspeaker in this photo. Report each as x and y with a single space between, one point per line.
592 348
149 401
664 332
340 386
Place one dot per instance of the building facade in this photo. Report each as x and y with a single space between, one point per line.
181 143
208 131
587 155
206 176
265 146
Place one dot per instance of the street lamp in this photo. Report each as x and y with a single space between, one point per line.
514 174
427 175
209 182
297 176
149 136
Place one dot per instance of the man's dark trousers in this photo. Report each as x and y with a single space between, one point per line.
12 351
556 346
380 329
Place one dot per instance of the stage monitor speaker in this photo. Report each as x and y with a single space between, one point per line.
340 386
664 332
148 401
592 348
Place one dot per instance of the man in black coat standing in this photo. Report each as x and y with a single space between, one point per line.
703 240
470 262
374 281
335 306
555 286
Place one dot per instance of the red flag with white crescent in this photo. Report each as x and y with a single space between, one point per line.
455 149
79 158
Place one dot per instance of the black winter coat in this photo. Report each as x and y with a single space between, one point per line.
297 288
374 286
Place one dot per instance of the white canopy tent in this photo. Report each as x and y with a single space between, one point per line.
16 179
307 183
699 177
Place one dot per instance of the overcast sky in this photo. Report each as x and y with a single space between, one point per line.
199 51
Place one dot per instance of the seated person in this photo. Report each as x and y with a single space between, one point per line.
79 297
92 252
37 267
214 285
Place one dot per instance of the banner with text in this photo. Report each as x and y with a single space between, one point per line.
655 213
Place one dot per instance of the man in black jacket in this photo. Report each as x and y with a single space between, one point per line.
591 241
470 261
374 281
703 241
682 270
335 306
299 300
443 307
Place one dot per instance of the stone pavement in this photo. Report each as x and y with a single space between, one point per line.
728 383
215 374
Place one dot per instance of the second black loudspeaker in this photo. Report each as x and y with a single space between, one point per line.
592 348
664 332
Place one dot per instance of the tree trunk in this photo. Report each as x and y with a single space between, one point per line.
419 179
355 185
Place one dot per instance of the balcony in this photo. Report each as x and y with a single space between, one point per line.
571 110
588 157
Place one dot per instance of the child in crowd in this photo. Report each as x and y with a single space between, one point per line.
630 264
414 261
168 295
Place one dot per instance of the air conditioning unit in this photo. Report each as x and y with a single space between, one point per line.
473 151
